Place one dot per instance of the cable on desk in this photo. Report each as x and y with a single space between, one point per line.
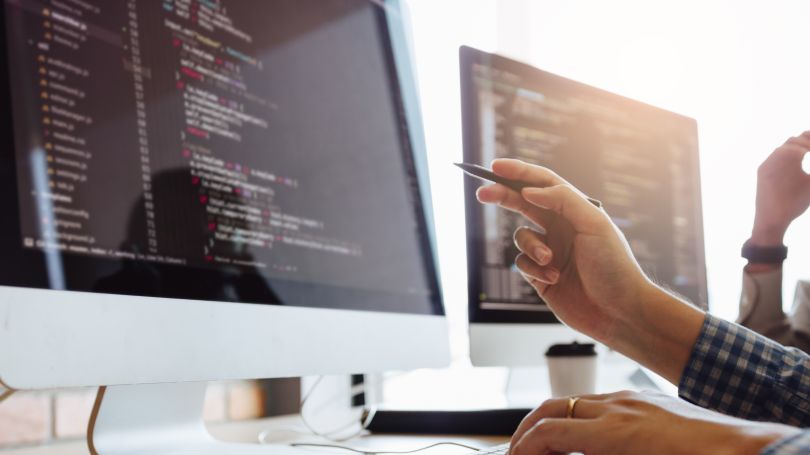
379 452
6 394
364 420
328 435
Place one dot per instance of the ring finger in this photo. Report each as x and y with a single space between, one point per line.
530 241
545 274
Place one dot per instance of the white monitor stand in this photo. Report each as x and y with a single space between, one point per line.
155 419
522 348
160 419
517 345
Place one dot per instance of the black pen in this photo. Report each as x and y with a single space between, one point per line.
516 185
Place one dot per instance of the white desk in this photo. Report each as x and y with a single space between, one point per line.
613 375
248 432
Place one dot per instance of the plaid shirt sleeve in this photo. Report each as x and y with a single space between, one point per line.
740 373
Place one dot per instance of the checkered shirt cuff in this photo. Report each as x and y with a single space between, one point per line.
792 445
740 373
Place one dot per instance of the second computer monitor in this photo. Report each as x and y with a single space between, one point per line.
639 160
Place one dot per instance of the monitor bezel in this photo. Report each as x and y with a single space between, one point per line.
469 56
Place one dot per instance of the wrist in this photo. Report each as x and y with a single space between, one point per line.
753 439
661 333
768 234
761 267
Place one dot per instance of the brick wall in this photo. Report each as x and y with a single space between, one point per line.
41 417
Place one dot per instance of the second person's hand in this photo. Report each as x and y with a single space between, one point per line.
783 191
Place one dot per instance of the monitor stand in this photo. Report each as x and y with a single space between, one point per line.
160 419
527 386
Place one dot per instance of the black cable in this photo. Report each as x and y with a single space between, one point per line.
6 394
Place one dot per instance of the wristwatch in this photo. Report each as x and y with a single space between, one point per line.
763 254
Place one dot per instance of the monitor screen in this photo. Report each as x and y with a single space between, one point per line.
242 151
639 160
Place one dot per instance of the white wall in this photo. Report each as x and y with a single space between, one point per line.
439 28
739 67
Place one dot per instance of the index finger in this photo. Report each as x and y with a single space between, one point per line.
527 173
558 435
513 201
549 408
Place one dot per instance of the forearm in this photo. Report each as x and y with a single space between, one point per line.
761 300
768 230
761 308
762 276
740 373
661 334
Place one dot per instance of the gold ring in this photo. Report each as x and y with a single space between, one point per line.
572 402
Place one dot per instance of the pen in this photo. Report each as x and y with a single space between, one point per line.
485 174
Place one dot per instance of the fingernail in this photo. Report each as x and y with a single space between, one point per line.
551 276
541 255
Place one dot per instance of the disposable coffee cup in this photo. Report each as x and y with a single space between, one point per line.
572 369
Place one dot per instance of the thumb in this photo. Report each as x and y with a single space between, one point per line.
569 203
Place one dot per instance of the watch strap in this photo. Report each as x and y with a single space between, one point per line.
764 254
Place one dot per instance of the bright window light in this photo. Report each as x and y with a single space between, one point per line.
739 68
734 66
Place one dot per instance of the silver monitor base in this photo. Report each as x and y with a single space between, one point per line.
160 419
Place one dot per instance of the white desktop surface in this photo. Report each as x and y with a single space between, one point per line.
248 432
613 374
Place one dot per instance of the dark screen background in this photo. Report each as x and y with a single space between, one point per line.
243 151
641 162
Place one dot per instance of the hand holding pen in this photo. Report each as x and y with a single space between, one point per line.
483 173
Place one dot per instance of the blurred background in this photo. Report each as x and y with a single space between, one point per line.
739 67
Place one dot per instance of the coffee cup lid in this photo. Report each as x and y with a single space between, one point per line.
571 350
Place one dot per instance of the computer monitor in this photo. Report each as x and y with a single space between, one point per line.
209 190
639 160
